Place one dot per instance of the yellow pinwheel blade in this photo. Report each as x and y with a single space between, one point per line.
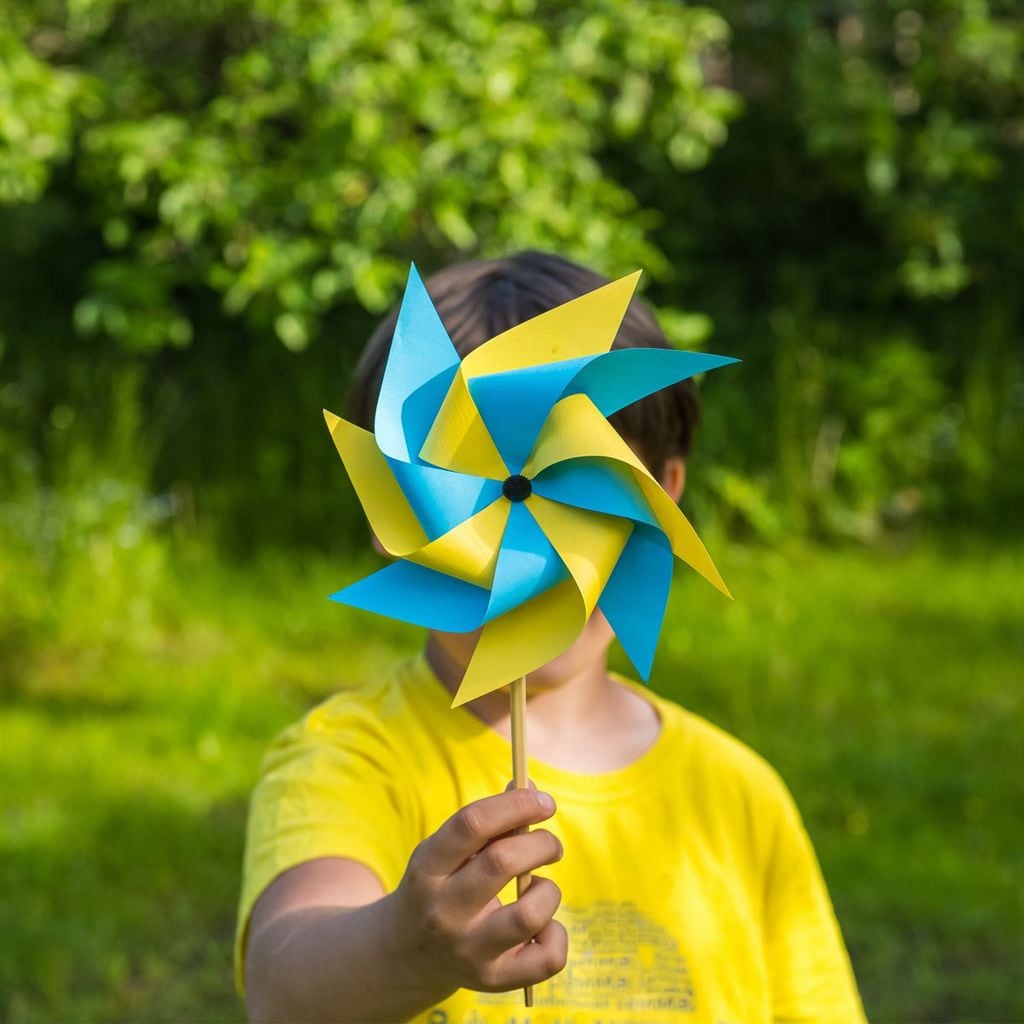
576 429
588 542
392 520
686 545
522 640
582 327
469 550
459 440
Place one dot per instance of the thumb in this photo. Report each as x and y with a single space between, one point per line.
530 784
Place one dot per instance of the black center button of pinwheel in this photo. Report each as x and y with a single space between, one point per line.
517 488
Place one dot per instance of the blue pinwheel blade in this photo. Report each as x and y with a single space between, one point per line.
618 378
527 563
515 403
598 485
423 597
635 596
441 499
421 365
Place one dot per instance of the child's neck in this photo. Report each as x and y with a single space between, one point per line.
584 722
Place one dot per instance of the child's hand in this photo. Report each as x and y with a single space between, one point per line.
448 901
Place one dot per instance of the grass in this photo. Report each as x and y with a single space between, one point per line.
138 689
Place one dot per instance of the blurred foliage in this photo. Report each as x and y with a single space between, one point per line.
855 241
242 177
204 206
283 155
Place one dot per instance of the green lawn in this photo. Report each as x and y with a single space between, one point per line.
138 690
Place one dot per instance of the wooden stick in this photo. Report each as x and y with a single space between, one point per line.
517 709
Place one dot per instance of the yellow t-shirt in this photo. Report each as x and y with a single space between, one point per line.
690 890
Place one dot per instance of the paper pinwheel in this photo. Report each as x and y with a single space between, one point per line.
506 496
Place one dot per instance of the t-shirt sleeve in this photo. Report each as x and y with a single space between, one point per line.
330 786
809 969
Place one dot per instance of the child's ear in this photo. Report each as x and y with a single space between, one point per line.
673 476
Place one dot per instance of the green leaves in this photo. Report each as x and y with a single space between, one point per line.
917 107
37 104
293 155
200 189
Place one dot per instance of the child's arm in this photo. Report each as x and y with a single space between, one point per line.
327 945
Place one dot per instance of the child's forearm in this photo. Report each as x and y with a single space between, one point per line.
443 927
339 964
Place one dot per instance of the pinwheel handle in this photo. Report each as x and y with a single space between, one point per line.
520 780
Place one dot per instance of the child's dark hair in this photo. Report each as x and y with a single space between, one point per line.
479 299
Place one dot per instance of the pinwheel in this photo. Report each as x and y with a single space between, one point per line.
510 503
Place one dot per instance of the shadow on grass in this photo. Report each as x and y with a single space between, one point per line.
63 705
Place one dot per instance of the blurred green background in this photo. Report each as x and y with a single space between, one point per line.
204 208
